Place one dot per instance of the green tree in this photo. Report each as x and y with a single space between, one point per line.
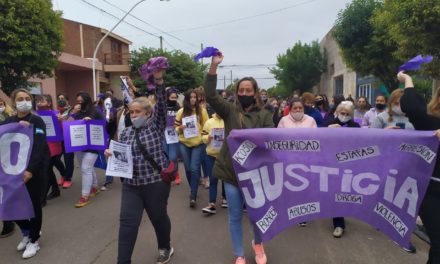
279 90
184 73
300 67
415 26
367 49
30 41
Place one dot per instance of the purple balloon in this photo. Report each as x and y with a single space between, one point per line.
415 63
207 53
153 64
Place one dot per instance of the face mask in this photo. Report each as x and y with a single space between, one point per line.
2 109
319 103
344 119
397 110
264 98
297 115
139 121
172 103
61 103
380 106
246 100
24 106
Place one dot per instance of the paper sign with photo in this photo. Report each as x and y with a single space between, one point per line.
191 129
171 135
217 135
120 163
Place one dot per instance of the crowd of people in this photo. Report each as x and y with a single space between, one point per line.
159 128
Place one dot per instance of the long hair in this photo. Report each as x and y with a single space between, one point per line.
367 105
188 109
8 109
258 102
394 97
87 100
337 99
325 106
434 105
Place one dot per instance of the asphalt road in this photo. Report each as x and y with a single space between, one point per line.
89 236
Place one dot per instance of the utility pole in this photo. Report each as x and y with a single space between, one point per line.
231 77
161 43
224 82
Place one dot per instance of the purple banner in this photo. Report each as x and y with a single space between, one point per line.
80 135
53 128
15 150
288 176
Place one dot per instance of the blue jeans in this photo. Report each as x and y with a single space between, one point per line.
235 209
191 161
204 162
172 151
213 181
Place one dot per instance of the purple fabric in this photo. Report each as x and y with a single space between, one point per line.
89 145
56 125
415 63
153 64
290 176
15 150
206 53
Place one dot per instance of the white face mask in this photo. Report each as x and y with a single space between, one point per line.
297 115
2 109
344 119
24 106
397 110
139 121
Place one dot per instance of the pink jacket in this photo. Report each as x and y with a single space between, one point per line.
288 122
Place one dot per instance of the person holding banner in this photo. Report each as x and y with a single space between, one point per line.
189 123
146 190
36 172
87 158
426 118
296 117
343 118
393 117
246 112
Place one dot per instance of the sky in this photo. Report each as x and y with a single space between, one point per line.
250 33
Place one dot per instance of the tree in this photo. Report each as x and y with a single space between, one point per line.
184 73
300 67
30 41
415 26
367 49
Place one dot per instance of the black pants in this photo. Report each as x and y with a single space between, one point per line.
153 198
430 215
69 163
56 162
339 222
35 187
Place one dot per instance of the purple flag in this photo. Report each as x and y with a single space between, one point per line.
415 63
15 150
288 176
153 64
80 135
53 128
206 53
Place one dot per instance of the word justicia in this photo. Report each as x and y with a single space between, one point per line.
296 178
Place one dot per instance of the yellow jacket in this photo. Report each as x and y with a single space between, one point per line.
214 122
194 141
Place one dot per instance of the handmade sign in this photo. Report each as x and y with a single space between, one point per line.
53 128
288 176
83 135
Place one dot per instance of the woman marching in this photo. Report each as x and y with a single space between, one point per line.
146 190
246 112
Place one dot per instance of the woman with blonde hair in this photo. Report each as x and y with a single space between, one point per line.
393 117
5 110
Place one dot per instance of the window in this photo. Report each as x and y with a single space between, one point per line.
365 90
339 84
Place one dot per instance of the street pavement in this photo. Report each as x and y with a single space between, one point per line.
89 235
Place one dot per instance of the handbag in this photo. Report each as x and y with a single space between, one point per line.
169 173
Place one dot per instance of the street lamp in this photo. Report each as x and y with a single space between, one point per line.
102 39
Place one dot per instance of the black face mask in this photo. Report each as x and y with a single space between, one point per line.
380 106
83 106
319 103
246 100
172 103
61 103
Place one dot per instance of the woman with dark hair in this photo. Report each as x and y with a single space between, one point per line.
362 106
426 118
172 149
337 99
381 101
35 174
246 112
87 158
191 146
322 105
393 117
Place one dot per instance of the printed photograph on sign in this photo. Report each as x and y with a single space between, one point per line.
78 135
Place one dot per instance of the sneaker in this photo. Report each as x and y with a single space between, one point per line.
177 180
53 194
192 203
31 250
338 232
240 260
8 229
224 203
206 183
164 255
94 191
67 184
105 186
23 243
61 181
419 231
411 249
83 201
260 256
303 224
210 209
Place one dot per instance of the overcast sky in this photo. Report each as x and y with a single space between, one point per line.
249 32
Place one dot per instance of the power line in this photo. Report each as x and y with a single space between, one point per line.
169 44
243 18
146 23
246 65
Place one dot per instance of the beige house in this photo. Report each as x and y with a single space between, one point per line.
74 72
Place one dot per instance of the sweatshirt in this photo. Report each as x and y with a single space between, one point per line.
193 141
214 122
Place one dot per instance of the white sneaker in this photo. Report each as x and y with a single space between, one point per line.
338 232
31 250
23 243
